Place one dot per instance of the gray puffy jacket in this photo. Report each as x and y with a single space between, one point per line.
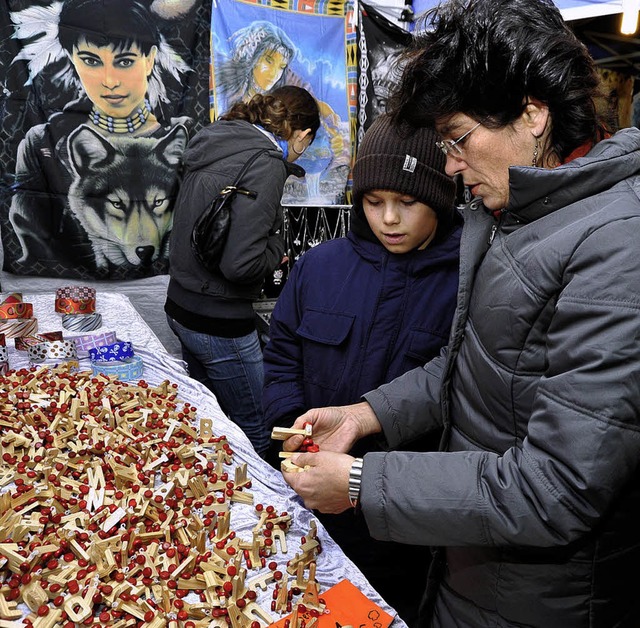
536 502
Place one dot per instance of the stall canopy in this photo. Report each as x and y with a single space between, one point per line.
570 9
580 9
597 23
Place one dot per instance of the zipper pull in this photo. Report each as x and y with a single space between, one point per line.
498 215
492 235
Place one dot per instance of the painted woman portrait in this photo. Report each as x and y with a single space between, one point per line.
259 60
95 183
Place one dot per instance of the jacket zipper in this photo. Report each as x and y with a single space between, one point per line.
495 227
492 235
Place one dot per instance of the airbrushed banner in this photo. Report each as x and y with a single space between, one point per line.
98 102
381 46
259 46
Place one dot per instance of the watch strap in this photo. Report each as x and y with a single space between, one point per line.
355 481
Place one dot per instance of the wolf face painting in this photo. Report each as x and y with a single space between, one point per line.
122 191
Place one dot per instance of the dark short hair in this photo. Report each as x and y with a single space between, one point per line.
484 58
119 23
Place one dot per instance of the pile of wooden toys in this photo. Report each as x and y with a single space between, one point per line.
116 511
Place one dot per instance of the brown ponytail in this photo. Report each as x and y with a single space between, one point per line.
282 111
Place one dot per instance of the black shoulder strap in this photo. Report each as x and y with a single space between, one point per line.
248 165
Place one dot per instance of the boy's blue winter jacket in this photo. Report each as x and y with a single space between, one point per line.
353 316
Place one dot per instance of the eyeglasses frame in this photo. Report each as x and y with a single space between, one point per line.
447 145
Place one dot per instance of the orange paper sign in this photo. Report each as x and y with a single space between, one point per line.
346 606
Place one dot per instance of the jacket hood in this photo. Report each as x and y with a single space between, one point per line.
442 252
535 192
226 138
360 225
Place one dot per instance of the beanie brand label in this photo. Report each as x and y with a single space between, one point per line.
410 163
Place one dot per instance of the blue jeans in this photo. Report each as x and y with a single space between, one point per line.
232 369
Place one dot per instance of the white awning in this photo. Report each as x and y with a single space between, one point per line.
580 9
570 9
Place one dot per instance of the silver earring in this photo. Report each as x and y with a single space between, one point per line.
293 148
536 148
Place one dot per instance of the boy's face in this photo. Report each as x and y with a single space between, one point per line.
115 80
399 221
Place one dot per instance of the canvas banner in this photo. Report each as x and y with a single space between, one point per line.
259 46
98 102
381 46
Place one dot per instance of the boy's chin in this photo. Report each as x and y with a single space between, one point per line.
397 249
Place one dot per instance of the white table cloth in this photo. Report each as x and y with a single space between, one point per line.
268 485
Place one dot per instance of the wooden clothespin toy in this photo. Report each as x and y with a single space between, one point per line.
282 433
289 467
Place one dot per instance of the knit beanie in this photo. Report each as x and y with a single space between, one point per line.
404 159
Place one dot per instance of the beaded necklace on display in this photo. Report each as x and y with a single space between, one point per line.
118 125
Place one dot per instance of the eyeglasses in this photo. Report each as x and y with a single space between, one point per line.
447 146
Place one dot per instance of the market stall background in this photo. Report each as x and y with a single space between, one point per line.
354 77
35 85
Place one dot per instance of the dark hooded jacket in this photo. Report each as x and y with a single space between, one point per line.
254 246
352 316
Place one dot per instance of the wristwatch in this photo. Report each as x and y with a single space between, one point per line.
355 479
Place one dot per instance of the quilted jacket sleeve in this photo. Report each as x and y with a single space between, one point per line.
409 406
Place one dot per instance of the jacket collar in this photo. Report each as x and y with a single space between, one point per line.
536 192
438 254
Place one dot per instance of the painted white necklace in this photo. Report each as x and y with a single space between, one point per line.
118 125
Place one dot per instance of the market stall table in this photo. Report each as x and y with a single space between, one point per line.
267 485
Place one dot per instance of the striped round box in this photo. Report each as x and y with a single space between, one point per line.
15 327
82 322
